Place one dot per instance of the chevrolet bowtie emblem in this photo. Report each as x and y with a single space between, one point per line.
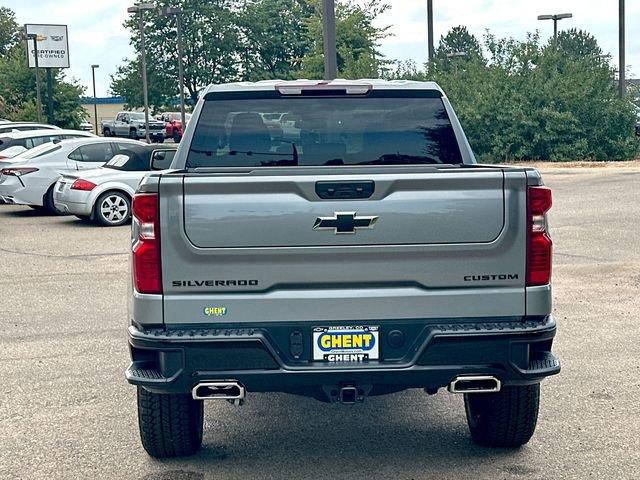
344 222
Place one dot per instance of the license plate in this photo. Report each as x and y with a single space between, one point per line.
346 344
61 187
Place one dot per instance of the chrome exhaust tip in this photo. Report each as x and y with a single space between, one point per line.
231 390
475 384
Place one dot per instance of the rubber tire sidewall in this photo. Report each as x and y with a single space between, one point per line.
504 419
48 203
97 215
170 425
133 134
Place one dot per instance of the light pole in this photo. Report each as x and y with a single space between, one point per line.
34 37
621 39
177 12
329 34
140 8
430 28
555 19
95 105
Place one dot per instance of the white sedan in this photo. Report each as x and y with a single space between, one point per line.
104 194
13 144
29 178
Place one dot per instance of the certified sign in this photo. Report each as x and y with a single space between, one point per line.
53 46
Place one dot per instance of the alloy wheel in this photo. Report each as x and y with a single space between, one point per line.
114 208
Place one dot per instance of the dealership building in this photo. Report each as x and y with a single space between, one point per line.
107 107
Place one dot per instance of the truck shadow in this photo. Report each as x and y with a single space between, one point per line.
280 436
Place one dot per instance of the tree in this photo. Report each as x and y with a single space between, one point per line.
577 44
9 31
458 41
275 38
522 100
126 83
231 40
357 41
211 45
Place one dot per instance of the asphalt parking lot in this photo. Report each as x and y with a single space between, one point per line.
67 412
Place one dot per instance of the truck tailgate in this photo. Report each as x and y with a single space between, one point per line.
434 244
281 211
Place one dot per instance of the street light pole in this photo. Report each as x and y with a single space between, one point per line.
555 19
621 39
329 33
34 37
140 8
430 28
177 12
95 105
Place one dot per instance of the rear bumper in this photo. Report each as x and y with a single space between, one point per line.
14 192
75 202
517 352
152 133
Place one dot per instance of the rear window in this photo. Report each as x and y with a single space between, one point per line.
312 131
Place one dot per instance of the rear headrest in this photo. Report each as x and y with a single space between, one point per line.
249 133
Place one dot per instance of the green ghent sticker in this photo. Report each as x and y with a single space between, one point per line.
215 311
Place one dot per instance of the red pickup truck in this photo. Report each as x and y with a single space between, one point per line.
173 125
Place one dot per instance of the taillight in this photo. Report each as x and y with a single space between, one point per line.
84 185
539 243
18 171
147 270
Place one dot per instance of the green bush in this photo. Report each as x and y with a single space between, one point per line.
524 100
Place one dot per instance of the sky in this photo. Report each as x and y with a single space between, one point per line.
96 34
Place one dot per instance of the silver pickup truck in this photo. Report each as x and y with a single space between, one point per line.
359 250
132 125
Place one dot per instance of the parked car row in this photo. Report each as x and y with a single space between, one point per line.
132 125
74 172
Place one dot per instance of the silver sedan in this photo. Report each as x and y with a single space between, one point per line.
103 195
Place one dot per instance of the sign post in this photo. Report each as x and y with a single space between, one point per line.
329 34
49 96
34 37
50 50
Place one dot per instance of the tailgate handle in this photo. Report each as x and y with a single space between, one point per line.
345 190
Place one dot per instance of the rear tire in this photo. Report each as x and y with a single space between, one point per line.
48 203
176 137
112 209
133 134
504 419
170 424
